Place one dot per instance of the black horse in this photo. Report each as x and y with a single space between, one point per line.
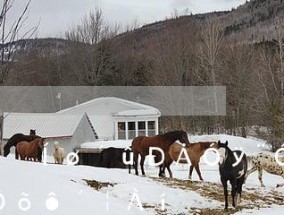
232 171
113 158
16 138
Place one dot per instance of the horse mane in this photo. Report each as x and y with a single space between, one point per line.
204 145
230 156
172 135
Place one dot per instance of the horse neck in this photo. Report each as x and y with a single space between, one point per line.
34 144
171 136
205 145
230 157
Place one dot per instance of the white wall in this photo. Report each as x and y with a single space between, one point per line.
82 134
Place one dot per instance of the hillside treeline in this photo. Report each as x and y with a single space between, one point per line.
178 53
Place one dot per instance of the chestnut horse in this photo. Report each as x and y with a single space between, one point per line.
142 144
194 152
16 138
29 150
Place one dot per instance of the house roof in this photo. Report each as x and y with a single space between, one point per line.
131 107
46 124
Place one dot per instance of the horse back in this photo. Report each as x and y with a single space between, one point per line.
136 144
22 147
268 163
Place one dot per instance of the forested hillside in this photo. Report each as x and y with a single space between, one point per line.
241 49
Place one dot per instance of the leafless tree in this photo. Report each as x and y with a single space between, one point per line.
9 34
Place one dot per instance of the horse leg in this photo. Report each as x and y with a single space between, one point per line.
162 170
170 171
225 187
249 172
135 162
234 190
198 172
190 172
239 190
142 164
16 154
260 176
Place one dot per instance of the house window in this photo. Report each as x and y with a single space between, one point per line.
141 128
121 131
151 128
131 130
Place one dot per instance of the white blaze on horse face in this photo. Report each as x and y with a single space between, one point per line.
222 155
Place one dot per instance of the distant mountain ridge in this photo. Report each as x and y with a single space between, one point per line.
253 21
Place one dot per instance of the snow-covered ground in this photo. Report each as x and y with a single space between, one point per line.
46 185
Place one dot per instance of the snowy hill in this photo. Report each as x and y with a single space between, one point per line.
88 190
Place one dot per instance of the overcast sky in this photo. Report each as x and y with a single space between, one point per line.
55 16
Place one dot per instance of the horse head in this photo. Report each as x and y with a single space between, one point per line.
222 150
214 145
32 132
40 143
183 137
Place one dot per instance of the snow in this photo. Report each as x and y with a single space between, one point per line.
67 184
106 144
148 112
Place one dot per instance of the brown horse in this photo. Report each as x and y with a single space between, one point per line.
29 150
141 146
194 152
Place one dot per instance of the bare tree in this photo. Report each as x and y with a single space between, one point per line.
92 29
209 52
9 34
92 48
270 76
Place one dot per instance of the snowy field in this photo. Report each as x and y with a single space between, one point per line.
37 189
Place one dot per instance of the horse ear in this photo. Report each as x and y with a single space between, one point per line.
226 143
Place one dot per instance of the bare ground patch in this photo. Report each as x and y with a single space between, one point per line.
97 185
252 198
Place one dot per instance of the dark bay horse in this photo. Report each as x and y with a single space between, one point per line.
29 150
141 146
16 138
194 152
113 158
233 171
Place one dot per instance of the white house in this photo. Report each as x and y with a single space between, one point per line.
115 118
69 130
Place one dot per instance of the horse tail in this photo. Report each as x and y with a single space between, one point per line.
10 143
16 154
39 154
249 160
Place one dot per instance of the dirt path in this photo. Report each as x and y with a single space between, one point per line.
252 198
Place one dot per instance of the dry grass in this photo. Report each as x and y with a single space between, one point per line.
97 185
251 198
